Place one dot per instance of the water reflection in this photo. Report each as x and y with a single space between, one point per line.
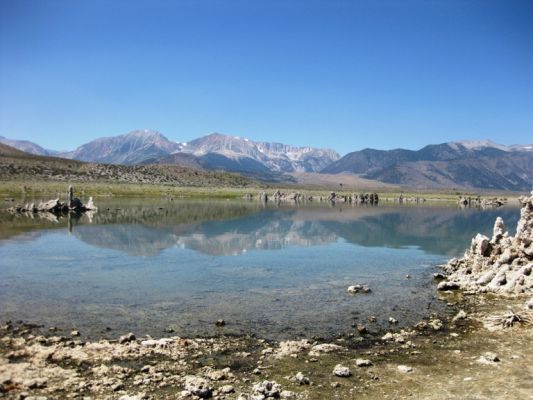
235 228
144 267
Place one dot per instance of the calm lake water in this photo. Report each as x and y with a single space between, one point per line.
276 272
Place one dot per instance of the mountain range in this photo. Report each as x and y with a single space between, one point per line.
483 164
466 164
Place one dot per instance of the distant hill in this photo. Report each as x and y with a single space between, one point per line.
27 147
483 165
9 151
132 148
16 165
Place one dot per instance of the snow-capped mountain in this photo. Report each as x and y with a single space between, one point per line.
276 157
480 144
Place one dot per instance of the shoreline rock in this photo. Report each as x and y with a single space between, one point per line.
502 264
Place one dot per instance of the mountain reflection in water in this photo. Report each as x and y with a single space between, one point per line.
231 229
273 271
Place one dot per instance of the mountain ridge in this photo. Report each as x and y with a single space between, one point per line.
459 164
445 165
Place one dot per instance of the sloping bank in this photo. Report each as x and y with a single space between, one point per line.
480 350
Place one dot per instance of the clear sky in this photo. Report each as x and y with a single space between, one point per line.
340 74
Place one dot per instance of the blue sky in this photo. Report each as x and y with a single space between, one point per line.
339 74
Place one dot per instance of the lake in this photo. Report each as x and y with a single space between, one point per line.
275 272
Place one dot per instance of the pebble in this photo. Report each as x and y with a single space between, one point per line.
393 320
301 378
341 371
198 386
488 358
267 389
363 363
37 383
439 275
139 396
126 338
227 389
435 324
287 394
491 356
404 369
460 315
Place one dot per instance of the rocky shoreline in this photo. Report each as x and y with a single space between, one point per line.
397 365
501 264
480 348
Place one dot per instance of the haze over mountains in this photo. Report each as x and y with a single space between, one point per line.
467 164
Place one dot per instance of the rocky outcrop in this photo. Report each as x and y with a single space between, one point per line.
480 203
501 264
55 206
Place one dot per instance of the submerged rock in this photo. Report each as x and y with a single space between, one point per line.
353 289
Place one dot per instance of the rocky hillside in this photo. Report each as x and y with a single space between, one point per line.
449 165
132 148
276 157
9 151
19 166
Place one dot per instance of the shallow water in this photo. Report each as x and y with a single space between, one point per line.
276 272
